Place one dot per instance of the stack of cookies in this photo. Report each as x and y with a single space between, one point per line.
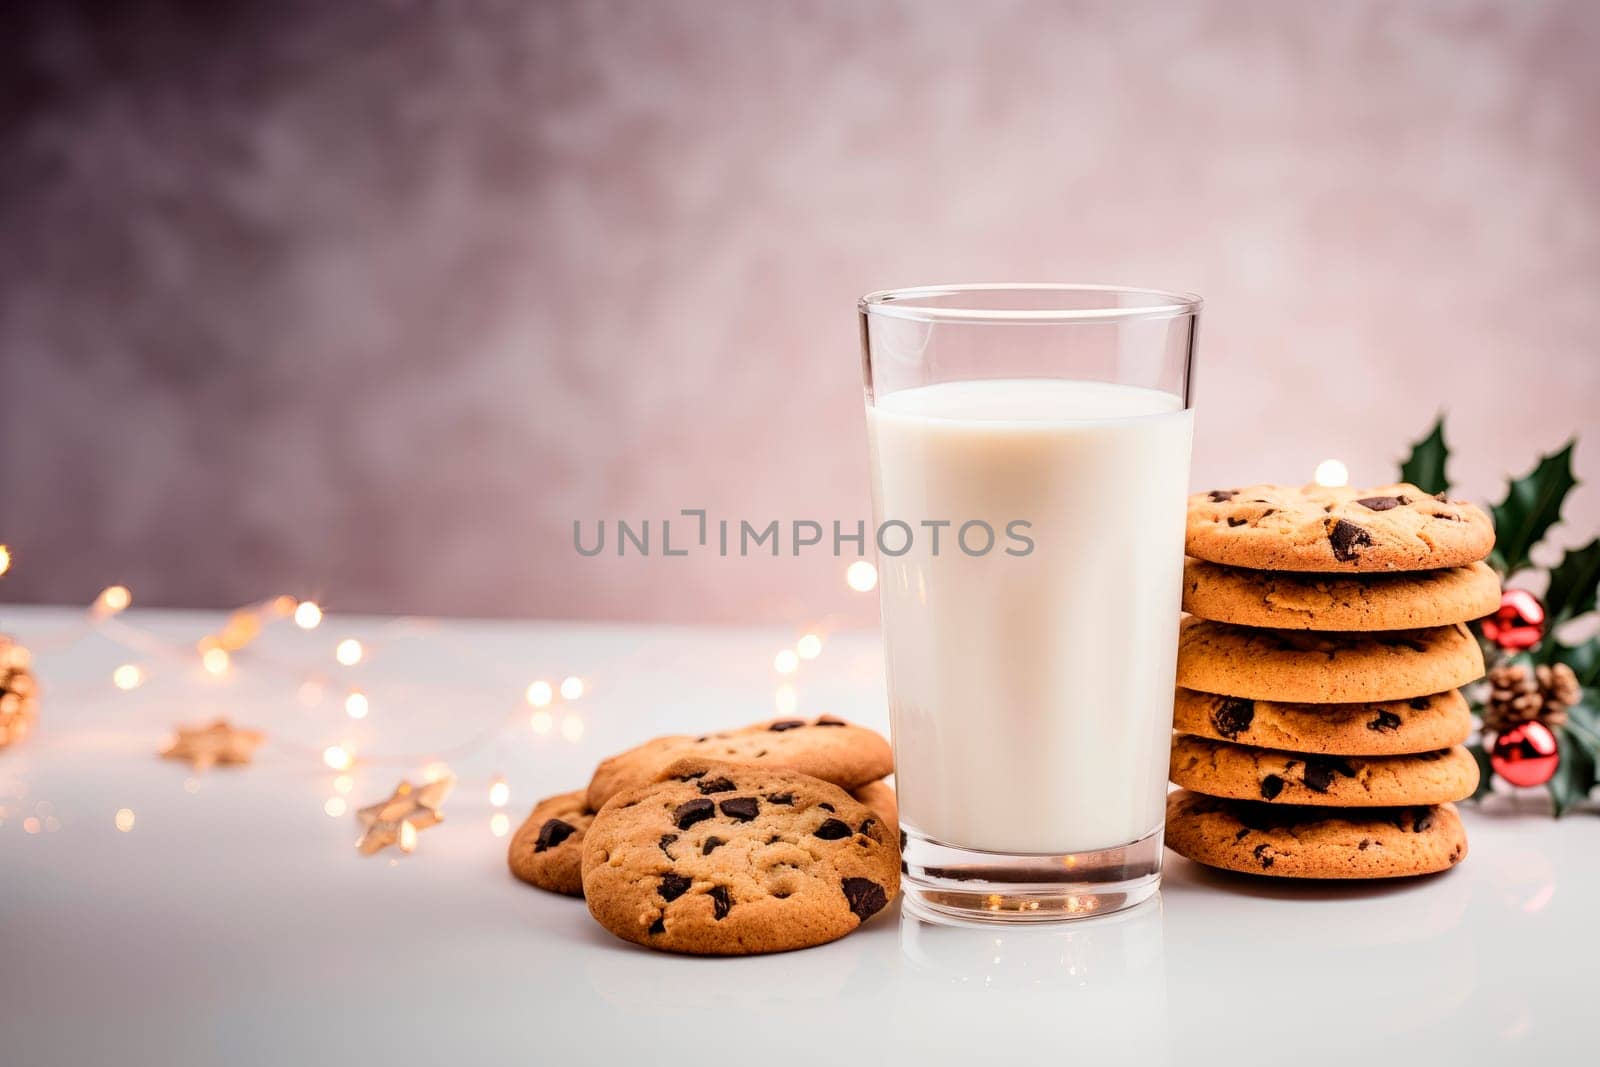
769 837
1318 726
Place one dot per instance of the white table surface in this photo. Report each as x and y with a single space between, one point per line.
235 923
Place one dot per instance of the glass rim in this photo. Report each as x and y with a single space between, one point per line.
895 303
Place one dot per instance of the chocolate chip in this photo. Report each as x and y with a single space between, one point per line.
1271 786
1455 855
674 886
865 897
659 926
825 806
1346 537
1235 521
864 824
1384 722
780 798
691 776
833 830
1220 496
1441 498
552 833
711 845
786 724
721 902
716 785
1319 773
1382 503
693 811
829 720
1263 855
1366 843
742 808
666 839
1233 716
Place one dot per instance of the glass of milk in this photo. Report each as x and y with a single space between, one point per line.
1030 465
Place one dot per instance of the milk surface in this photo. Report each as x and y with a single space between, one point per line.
1031 696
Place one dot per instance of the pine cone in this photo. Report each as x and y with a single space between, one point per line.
1518 695
19 693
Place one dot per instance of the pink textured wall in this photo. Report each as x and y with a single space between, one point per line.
374 300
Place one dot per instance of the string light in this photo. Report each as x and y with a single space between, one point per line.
242 627
307 615
861 576
112 600
499 792
128 676
1331 474
571 688
542 722
338 757
124 819
809 646
5 559
785 662
499 824
355 704
572 728
349 652
215 661
335 806
540 694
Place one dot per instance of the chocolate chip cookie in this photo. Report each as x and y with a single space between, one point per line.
1324 668
1300 842
547 849
1219 769
724 859
1384 728
1403 600
1311 528
881 798
828 748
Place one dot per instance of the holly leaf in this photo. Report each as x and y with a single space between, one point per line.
1584 659
1485 771
1573 583
1575 775
1424 468
1583 722
1532 505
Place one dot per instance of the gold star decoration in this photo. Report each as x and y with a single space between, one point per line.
220 742
396 821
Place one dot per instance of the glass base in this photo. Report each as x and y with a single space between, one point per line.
949 884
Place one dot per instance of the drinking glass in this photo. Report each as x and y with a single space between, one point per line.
1030 465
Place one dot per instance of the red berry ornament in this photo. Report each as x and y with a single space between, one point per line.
1519 623
1526 755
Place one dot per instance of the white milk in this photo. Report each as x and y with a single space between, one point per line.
1031 696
